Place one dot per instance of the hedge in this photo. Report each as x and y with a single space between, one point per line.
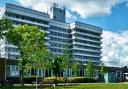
59 79
82 80
72 79
62 79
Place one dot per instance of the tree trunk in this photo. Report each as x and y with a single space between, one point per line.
36 81
21 70
56 79
22 76
67 74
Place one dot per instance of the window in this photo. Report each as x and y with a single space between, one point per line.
12 70
54 17
8 71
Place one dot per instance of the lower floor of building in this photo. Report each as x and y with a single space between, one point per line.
10 68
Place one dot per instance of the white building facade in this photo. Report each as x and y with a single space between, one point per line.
83 39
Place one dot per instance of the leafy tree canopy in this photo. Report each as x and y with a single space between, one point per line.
90 68
5 25
57 65
30 41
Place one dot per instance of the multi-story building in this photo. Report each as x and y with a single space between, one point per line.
86 42
83 39
20 15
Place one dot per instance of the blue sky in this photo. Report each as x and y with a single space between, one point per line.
116 21
111 15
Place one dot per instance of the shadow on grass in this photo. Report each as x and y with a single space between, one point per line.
17 87
69 86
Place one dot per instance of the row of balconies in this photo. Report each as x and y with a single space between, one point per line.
28 22
91 35
84 44
89 55
85 39
59 37
85 49
58 31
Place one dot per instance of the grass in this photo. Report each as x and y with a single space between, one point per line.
94 86
80 86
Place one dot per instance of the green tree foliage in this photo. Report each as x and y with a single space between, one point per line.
48 58
57 66
90 68
75 68
67 58
30 41
103 70
5 25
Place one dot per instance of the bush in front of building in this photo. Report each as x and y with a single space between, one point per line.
59 79
30 80
15 80
72 79
82 80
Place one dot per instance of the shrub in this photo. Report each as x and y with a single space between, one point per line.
82 80
30 79
59 79
15 80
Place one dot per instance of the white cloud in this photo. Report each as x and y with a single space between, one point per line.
85 8
41 7
28 3
68 14
88 8
71 16
115 48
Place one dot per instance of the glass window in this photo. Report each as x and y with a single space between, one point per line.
7 71
12 70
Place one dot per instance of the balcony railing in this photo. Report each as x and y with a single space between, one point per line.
86 44
85 49
81 54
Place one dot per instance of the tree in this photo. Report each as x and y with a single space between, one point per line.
90 68
103 70
37 53
49 57
56 66
5 25
75 68
30 41
67 59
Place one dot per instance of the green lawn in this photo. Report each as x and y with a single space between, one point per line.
94 86
80 86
